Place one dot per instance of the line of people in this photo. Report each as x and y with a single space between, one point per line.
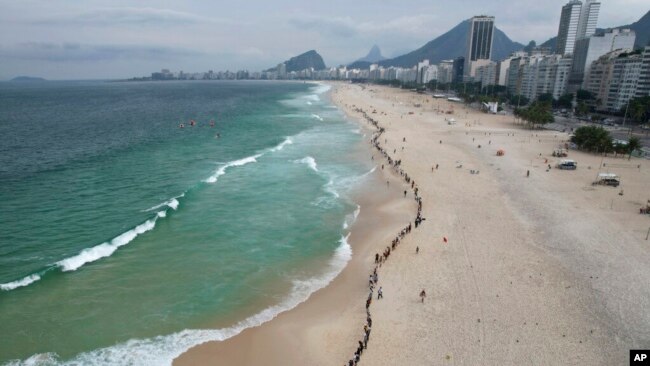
382 258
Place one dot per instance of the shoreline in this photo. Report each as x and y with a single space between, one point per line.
328 312
522 263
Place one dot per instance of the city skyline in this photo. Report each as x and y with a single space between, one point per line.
97 39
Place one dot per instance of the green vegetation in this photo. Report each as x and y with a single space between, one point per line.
639 109
597 139
633 145
565 101
538 113
592 138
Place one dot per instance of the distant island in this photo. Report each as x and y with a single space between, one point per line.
27 78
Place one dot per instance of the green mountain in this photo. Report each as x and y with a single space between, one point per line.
641 27
449 46
304 61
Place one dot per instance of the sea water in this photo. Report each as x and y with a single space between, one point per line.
126 239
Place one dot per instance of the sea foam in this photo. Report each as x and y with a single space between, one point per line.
105 249
309 161
171 203
162 350
20 283
287 141
221 171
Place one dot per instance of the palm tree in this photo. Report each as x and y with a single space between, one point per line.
633 145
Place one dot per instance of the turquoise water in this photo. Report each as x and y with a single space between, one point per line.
126 239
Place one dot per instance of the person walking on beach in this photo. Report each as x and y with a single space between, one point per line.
380 293
423 294
417 250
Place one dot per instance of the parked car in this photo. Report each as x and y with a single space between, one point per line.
567 164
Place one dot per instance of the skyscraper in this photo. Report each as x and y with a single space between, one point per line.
577 21
566 34
588 19
479 43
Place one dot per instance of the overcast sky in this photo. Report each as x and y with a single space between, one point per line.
117 39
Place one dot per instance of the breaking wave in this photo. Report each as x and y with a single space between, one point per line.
162 350
309 161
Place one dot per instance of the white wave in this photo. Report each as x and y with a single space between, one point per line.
329 187
309 103
162 350
287 141
171 203
20 283
317 117
370 172
309 161
162 214
357 131
105 249
312 97
321 88
351 218
221 171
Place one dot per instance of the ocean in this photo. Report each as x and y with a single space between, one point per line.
126 239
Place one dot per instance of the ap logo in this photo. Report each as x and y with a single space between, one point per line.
639 357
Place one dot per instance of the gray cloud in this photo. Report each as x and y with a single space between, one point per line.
348 27
339 27
63 52
128 16
39 36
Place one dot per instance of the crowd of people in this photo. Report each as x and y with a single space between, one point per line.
380 259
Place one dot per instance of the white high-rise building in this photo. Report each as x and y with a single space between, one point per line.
588 19
532 76
430 74
577 21
643 88
589 49
479 44
422 68
446 71
568 31
615 79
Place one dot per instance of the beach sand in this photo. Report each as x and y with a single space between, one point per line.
538 270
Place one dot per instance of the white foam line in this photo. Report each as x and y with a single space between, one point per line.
314 115
171 203
309 161
351 219
221 171
162 350
106 249
20 283
287 141
329 187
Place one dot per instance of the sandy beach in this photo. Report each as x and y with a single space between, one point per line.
544 269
